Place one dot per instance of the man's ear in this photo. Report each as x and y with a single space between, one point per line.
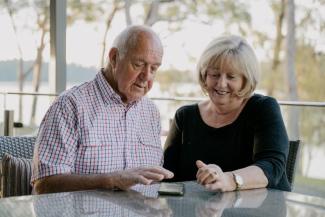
113 55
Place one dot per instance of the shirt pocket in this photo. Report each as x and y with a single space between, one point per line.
95 148
150 150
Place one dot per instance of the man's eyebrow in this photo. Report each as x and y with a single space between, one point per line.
140 59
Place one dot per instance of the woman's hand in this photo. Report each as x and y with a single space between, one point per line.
213 178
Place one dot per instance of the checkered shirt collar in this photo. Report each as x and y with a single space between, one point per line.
108 92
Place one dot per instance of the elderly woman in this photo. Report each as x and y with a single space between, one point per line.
236 139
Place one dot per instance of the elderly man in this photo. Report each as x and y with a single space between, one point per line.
104 133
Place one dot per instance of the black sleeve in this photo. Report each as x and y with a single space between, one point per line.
270 141
173 146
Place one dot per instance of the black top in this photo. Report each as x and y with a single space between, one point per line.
257 137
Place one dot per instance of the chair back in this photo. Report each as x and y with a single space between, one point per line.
15 169
291 161
22 147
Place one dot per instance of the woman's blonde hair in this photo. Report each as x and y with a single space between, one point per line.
234 53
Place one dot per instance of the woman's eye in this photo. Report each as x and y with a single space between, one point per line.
214 75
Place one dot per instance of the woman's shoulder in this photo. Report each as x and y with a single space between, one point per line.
261 106
187 108
259 100
187 111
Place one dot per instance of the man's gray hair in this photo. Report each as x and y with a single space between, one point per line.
128 38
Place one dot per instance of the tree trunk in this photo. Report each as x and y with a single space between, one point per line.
291 71
20 71
152 15
277 47
37 69
108 25
127 12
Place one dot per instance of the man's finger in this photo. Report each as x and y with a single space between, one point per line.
143 180
153 176
160 170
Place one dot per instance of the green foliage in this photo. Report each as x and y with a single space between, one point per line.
310 77
310 73
90 11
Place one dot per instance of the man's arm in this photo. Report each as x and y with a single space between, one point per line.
120 179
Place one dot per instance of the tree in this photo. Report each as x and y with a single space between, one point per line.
21 73
279 11
293 122
42 21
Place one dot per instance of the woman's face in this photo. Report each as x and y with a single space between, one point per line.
222 87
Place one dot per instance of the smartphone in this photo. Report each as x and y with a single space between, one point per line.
176 189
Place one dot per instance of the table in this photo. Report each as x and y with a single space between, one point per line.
196 202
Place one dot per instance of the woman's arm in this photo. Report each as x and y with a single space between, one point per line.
172 149
271 143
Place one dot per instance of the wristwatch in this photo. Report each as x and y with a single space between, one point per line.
238 180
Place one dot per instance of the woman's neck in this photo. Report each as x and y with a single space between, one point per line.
219 116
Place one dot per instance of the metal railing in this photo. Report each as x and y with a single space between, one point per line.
9 114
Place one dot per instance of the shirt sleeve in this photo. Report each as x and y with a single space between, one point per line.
270 141
57 140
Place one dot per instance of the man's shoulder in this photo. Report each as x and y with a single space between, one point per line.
147 102
77 92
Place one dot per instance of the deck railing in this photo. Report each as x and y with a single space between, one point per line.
9 114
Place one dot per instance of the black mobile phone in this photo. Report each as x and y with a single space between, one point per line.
167 188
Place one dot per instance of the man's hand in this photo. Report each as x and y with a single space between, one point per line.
119 179
141 175
213 178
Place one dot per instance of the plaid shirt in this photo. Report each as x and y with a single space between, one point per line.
89 130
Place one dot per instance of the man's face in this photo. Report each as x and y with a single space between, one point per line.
134 73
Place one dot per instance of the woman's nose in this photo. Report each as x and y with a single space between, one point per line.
222 81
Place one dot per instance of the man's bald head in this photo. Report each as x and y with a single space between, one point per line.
134 59
129 38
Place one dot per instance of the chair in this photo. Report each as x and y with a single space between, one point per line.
291 161
15 155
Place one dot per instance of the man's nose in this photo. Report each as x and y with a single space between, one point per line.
145 73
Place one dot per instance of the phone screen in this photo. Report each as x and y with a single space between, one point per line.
171 189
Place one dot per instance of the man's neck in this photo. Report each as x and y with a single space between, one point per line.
108 75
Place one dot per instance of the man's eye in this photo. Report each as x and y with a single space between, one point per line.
154 69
